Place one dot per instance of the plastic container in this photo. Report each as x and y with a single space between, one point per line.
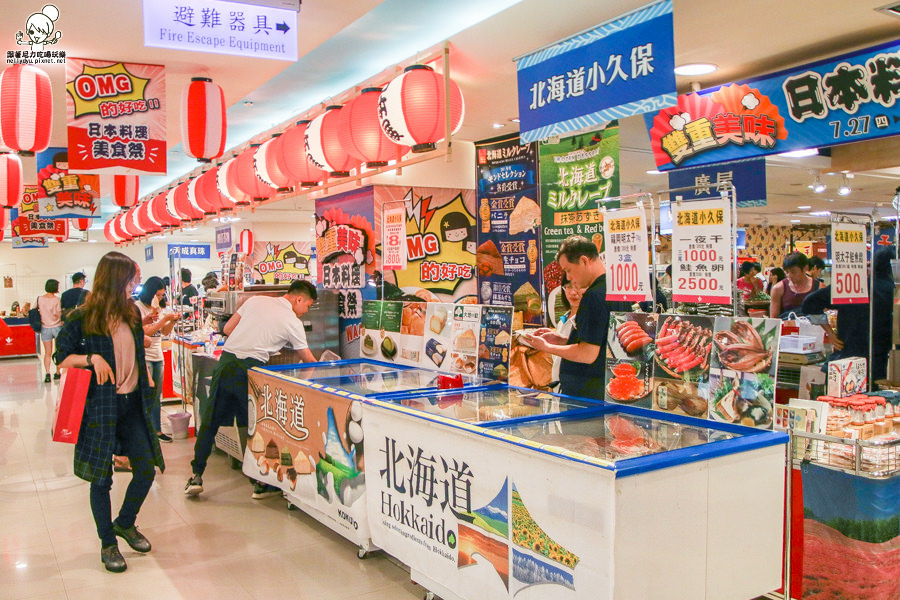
857 413
179 422
869 408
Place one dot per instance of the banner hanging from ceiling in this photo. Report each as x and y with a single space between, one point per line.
28 229
620 68
709 181
116 114
62 194
845 99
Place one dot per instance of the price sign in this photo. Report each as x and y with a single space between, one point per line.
394 246
848 264
702 252
625 256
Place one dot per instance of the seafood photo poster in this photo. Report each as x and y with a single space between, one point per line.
508 228
630 349
309 443
743 372
681 364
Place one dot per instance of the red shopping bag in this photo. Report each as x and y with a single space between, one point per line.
73 389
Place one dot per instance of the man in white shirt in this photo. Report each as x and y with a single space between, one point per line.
262 326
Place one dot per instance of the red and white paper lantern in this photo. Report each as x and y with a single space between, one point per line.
199 201
11 186
291 149
226 181
183 206
145 219
203 119
207 191
125 190
360 132
246 179
26 109
245 242
129 223
269 167
4 220
109 233
161 213
323 144
118 228
82 224
411 108
65 236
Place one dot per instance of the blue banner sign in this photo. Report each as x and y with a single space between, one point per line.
223 238
845 99
748 177
190 251
620 68
148 253
221 28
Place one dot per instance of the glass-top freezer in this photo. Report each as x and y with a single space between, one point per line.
489 403
336 368
390 382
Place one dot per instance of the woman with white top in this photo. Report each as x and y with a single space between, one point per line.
51 323
155 326
571 299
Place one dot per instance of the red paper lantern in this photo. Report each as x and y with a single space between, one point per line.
197 196
360 131
411 108
269 168
291 151
161 213
145 218
4 219
81 224
129 223
118 229
246 179
207 190
323 145
109 233
26 109
183 206
65 236
226 181
203 120
245 243
11 186
125 190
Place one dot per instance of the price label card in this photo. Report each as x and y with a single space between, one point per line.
626 255
702 252
849 285
394 241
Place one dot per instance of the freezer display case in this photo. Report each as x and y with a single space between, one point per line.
491 403
615 502
306 432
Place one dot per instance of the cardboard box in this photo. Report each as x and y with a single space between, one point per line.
847 376
812 382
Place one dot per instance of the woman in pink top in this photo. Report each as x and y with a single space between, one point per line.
788 294
51 323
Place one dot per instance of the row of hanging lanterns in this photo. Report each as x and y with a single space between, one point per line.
377 126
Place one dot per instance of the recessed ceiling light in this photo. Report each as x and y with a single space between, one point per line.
795 220
820 213
691 69
800 153
654 172
805 207
499 125
515 119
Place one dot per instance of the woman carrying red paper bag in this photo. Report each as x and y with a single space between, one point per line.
105 335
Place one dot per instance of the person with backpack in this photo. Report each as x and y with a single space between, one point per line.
75 296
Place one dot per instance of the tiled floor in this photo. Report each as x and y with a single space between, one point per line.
222 545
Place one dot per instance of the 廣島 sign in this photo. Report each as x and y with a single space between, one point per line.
848 98
709 181
116 115
850 284
229 28
620 68
702 252
190 251
626 255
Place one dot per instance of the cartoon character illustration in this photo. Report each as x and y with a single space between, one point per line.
283 264
39 27
455 227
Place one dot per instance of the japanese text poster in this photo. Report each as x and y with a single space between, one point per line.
116 114
62 194
509 223
627 255
283 262
29 229
702 252
576 173
850 283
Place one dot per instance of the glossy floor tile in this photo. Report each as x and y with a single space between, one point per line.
222 544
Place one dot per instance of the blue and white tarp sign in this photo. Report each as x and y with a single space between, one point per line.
190 251
223 238
748 177
221 28
620 68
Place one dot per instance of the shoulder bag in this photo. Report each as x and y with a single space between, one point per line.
34 317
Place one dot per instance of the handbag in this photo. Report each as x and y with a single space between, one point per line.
34 317
73 390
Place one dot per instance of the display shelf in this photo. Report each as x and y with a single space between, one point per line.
873 459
